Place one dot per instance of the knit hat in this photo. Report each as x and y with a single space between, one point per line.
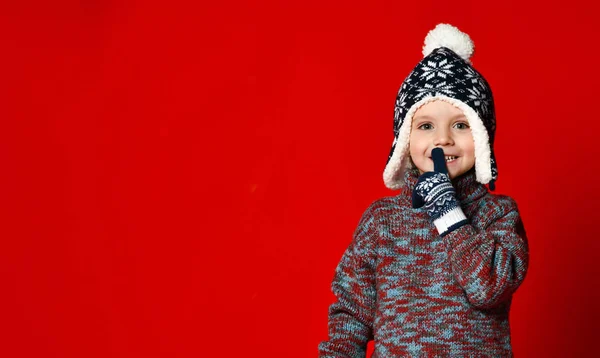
445 73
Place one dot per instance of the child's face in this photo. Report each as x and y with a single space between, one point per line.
440 124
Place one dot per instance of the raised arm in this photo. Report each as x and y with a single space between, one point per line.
491 263
351 315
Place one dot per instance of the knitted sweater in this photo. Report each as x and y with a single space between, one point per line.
417 294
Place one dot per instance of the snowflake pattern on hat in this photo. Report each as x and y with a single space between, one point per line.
433 76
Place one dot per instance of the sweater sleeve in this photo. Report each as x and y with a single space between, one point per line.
351 315
490 264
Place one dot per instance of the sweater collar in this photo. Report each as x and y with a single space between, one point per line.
467 187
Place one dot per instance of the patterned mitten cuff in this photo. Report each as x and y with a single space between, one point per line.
450 220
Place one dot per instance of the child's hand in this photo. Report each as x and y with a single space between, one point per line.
434 189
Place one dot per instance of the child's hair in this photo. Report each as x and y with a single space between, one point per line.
411 164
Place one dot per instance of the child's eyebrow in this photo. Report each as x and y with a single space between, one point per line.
425 116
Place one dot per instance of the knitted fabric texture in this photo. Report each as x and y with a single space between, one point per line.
417 294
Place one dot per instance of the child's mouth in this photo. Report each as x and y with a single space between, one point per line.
449 159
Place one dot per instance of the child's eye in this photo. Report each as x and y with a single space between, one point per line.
426 126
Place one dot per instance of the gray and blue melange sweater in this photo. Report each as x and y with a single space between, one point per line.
417 294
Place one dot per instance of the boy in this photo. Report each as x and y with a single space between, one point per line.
432 271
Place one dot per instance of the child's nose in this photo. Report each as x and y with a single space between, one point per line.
443 137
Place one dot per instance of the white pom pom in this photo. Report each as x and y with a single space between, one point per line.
445 35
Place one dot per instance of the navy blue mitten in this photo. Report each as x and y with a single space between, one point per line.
434 190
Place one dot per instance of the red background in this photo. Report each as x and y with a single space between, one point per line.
181 178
